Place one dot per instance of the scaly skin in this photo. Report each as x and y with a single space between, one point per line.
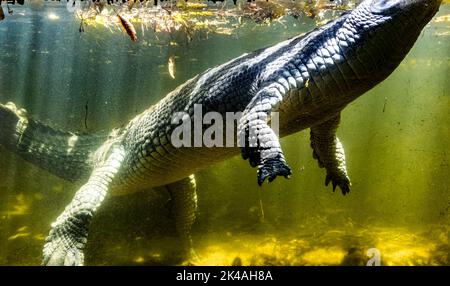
308 79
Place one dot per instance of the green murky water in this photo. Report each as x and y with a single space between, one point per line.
396 137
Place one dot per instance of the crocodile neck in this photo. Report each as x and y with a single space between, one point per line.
340 62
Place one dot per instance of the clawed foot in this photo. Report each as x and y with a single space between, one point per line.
343 181
271 168
62 250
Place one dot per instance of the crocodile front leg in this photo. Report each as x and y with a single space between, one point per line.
183 207
68 236
329 152
259 143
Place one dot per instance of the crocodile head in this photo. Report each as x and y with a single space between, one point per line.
423 9
408 16
382 32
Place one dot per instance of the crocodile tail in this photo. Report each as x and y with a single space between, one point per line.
64 154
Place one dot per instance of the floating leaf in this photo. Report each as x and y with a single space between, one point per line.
128 27
2 14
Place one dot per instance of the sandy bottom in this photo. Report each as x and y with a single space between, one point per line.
393 246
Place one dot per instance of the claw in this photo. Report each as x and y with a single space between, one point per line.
338 181
273 168
262 175
345 190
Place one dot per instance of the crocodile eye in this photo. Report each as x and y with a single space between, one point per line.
385 7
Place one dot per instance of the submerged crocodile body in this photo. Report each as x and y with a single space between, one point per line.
308 79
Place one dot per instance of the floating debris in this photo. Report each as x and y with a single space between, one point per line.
263 12
139 259
21 232
86 112
39 236
171 67
22 229
21 207
128 27
190 17
442 19
53 16
10 11
81 28
18 235
2 14
219 17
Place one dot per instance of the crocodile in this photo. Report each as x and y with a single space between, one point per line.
308 80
